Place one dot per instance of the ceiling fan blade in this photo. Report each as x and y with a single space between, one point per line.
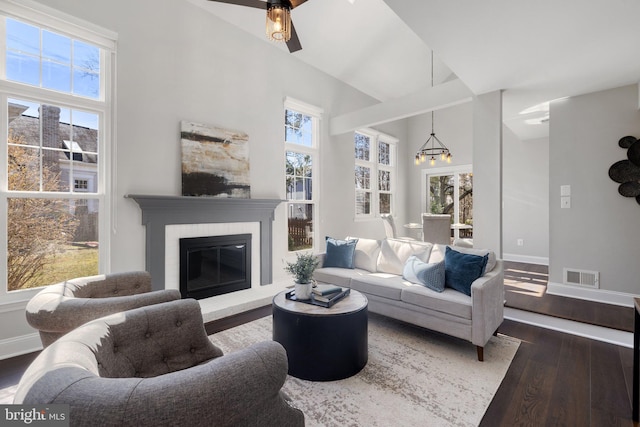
296 3
249 3
294 42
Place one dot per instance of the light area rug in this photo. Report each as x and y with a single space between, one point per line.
414 377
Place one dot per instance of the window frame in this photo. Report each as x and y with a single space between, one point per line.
375 167
50 19
456 171
314 151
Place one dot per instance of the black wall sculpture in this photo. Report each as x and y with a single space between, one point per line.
627 172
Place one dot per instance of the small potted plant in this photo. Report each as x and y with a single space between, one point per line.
302 271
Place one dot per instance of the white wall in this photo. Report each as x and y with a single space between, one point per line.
176 62
601 229
525 168
454 127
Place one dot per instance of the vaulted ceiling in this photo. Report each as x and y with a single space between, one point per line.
534 51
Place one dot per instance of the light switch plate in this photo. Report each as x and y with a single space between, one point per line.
565 202
565 190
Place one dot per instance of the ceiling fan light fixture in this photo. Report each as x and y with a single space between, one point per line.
279 21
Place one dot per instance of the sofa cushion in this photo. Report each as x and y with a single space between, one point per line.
422 273
394 253
338 276
366 256
461 269
384 285
448 301
340 253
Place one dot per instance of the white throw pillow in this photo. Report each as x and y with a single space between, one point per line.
394 253
437 253
366 256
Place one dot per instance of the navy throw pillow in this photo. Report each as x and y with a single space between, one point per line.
422 273
461 270
340 253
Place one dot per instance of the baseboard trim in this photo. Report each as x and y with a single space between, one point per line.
527 259
590 294
599 333
17 346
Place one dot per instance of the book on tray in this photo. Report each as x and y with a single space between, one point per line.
324 289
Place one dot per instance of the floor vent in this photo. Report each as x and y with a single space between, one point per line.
582 278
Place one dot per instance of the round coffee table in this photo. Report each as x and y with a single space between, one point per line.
323 344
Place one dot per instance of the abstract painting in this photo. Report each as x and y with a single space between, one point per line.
215 161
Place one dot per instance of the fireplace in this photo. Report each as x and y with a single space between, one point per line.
214 265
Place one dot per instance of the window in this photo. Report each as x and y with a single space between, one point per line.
375 172
301 156
449 190
54 93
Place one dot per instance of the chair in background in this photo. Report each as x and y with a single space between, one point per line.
436 228
155 366
389 226
60 308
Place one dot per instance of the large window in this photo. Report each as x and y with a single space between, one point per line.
55 103
375 173
450 191
301 157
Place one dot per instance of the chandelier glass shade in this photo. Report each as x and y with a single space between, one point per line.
279 21
433 148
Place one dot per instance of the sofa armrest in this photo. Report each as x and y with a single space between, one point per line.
487 300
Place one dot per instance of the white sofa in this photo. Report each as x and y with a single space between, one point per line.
378 274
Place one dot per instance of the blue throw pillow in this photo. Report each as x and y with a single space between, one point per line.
340 253
422 273
461 270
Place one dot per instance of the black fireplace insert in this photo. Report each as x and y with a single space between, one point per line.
214 265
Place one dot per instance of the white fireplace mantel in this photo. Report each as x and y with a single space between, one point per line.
160 211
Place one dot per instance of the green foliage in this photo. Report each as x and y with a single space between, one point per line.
302 270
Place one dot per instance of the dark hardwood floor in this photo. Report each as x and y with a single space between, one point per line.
525 289
555 379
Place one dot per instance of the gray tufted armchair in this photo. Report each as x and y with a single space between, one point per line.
60 308
155 366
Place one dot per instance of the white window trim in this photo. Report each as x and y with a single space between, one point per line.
314 151
375 137
46 17
445 170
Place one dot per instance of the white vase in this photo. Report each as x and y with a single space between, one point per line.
303 291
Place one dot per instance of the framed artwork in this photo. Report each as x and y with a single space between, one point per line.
215 161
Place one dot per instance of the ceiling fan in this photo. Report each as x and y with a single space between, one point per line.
279 25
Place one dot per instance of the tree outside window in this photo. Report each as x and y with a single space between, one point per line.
53 199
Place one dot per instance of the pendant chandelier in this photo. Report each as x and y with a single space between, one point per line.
433 147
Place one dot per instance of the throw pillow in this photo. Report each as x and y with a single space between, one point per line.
340 253
395 252
430 275
366 256
491 261
461 269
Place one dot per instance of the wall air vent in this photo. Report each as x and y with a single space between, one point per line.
586 278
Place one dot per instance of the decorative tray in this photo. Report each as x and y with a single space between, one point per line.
291 295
